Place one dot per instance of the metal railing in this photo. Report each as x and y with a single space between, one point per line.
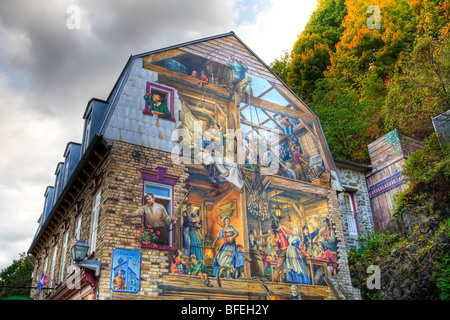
351 222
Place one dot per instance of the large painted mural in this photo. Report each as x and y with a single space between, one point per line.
257 164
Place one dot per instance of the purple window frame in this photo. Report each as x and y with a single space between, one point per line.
159 175
171 102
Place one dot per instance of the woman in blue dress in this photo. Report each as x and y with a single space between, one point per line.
195 238
296 271
225 255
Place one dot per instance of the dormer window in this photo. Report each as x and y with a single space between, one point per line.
58 181
87 130
66 168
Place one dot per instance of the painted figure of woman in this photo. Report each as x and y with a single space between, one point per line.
295 265
195 237
185 229
225 255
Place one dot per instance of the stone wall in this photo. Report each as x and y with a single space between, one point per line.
354 182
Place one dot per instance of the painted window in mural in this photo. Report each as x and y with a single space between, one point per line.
162 205
256 206
159 100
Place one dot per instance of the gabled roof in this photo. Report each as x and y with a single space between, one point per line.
121 81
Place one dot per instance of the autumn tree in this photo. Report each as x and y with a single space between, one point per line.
364 79
355 82
310 55
420 88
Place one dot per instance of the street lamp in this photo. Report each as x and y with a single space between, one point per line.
78 252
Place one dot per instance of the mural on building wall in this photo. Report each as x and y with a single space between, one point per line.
251 147
125 270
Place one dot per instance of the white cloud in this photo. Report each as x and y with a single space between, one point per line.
277 29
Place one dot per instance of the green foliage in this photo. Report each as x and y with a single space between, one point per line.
428 164
375 246
345 117
281 66
15 280
310 55
420 87
427 172
443 276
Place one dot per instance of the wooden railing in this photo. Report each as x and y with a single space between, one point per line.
386 184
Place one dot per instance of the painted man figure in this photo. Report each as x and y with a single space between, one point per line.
308 238
239 74
300 164
118 282
153 214
279 239
288 127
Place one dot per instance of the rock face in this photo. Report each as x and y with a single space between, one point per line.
407 274
409 271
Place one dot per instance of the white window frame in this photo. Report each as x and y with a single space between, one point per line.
87 129
94 221
53 265
350 212
77 229
63 257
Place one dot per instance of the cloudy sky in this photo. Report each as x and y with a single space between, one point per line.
52 61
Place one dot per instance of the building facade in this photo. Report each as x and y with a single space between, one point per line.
387 157
241 178
354 201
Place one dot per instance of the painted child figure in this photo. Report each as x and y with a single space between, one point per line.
238 261
203 79
198 268
178 263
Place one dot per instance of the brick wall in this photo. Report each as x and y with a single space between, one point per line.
342 281
123 192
